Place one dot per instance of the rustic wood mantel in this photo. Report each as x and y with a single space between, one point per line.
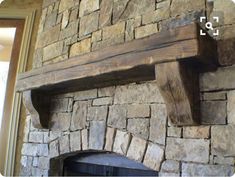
174 58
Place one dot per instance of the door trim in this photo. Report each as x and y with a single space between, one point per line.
8 154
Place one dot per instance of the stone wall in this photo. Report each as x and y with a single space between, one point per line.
131 119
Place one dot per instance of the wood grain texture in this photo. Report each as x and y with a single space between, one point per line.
179 85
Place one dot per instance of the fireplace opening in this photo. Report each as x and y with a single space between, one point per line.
104 164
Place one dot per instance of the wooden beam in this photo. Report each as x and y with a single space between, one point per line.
179 85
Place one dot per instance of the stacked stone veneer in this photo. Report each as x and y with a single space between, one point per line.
131 119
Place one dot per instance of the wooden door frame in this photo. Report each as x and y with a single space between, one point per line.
9 137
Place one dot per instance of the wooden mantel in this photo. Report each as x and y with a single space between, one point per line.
174 58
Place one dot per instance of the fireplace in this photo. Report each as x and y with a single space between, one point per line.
104 164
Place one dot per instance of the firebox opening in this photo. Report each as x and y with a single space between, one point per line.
104 164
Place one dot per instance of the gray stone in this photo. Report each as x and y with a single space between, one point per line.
170 166
60 121
59 105
39 172
44 163
121 142
182 6
173 131
23 161
230 107
102 101
89 24
75 141
135 8
109 139
136 149
131 24
139 110
64 144
139 127
206 170
222 140
221 79
52 51
158 123
79 115
85 95
29 149
106 91
54 135
97 113
88 6
54 149
65 5
154 156
46 138
97 135
138 93
70 30
223 160
117 116
146 30
36 137
50 20
118 8
106 8
96 36
181 149
42 150
35 161
213 112
214 96
196 132
84 135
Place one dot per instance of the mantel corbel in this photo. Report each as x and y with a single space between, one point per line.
174 58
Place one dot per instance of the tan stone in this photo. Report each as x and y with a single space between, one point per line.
88 6
96 36
84 135
73 14
65 19
102 101
230 107
48 37
50 20
156 16
80 48
140 110
106 91
118 9
113 31
183 6
106 8
146 30
64 144
121 142
222 140
154 156
131 24
196 132
65 5
70 30
85 95
110 134
174 131
136 149
89 24
214 96
52 51
191 150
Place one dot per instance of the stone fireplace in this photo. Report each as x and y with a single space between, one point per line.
130 121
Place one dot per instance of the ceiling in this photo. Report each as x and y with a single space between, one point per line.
6 41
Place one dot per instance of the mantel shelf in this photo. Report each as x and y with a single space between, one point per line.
174 58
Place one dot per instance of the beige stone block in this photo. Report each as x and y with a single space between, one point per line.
181 149
80 48
96 36
146 30
174 131
102 101
65 5
214 96
89 24
121 142
113 31
196 132
106 9
136 111
106 91
110 135
65 19
136 149
88 6
97 113
85 95
231 107
52 51
153 156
